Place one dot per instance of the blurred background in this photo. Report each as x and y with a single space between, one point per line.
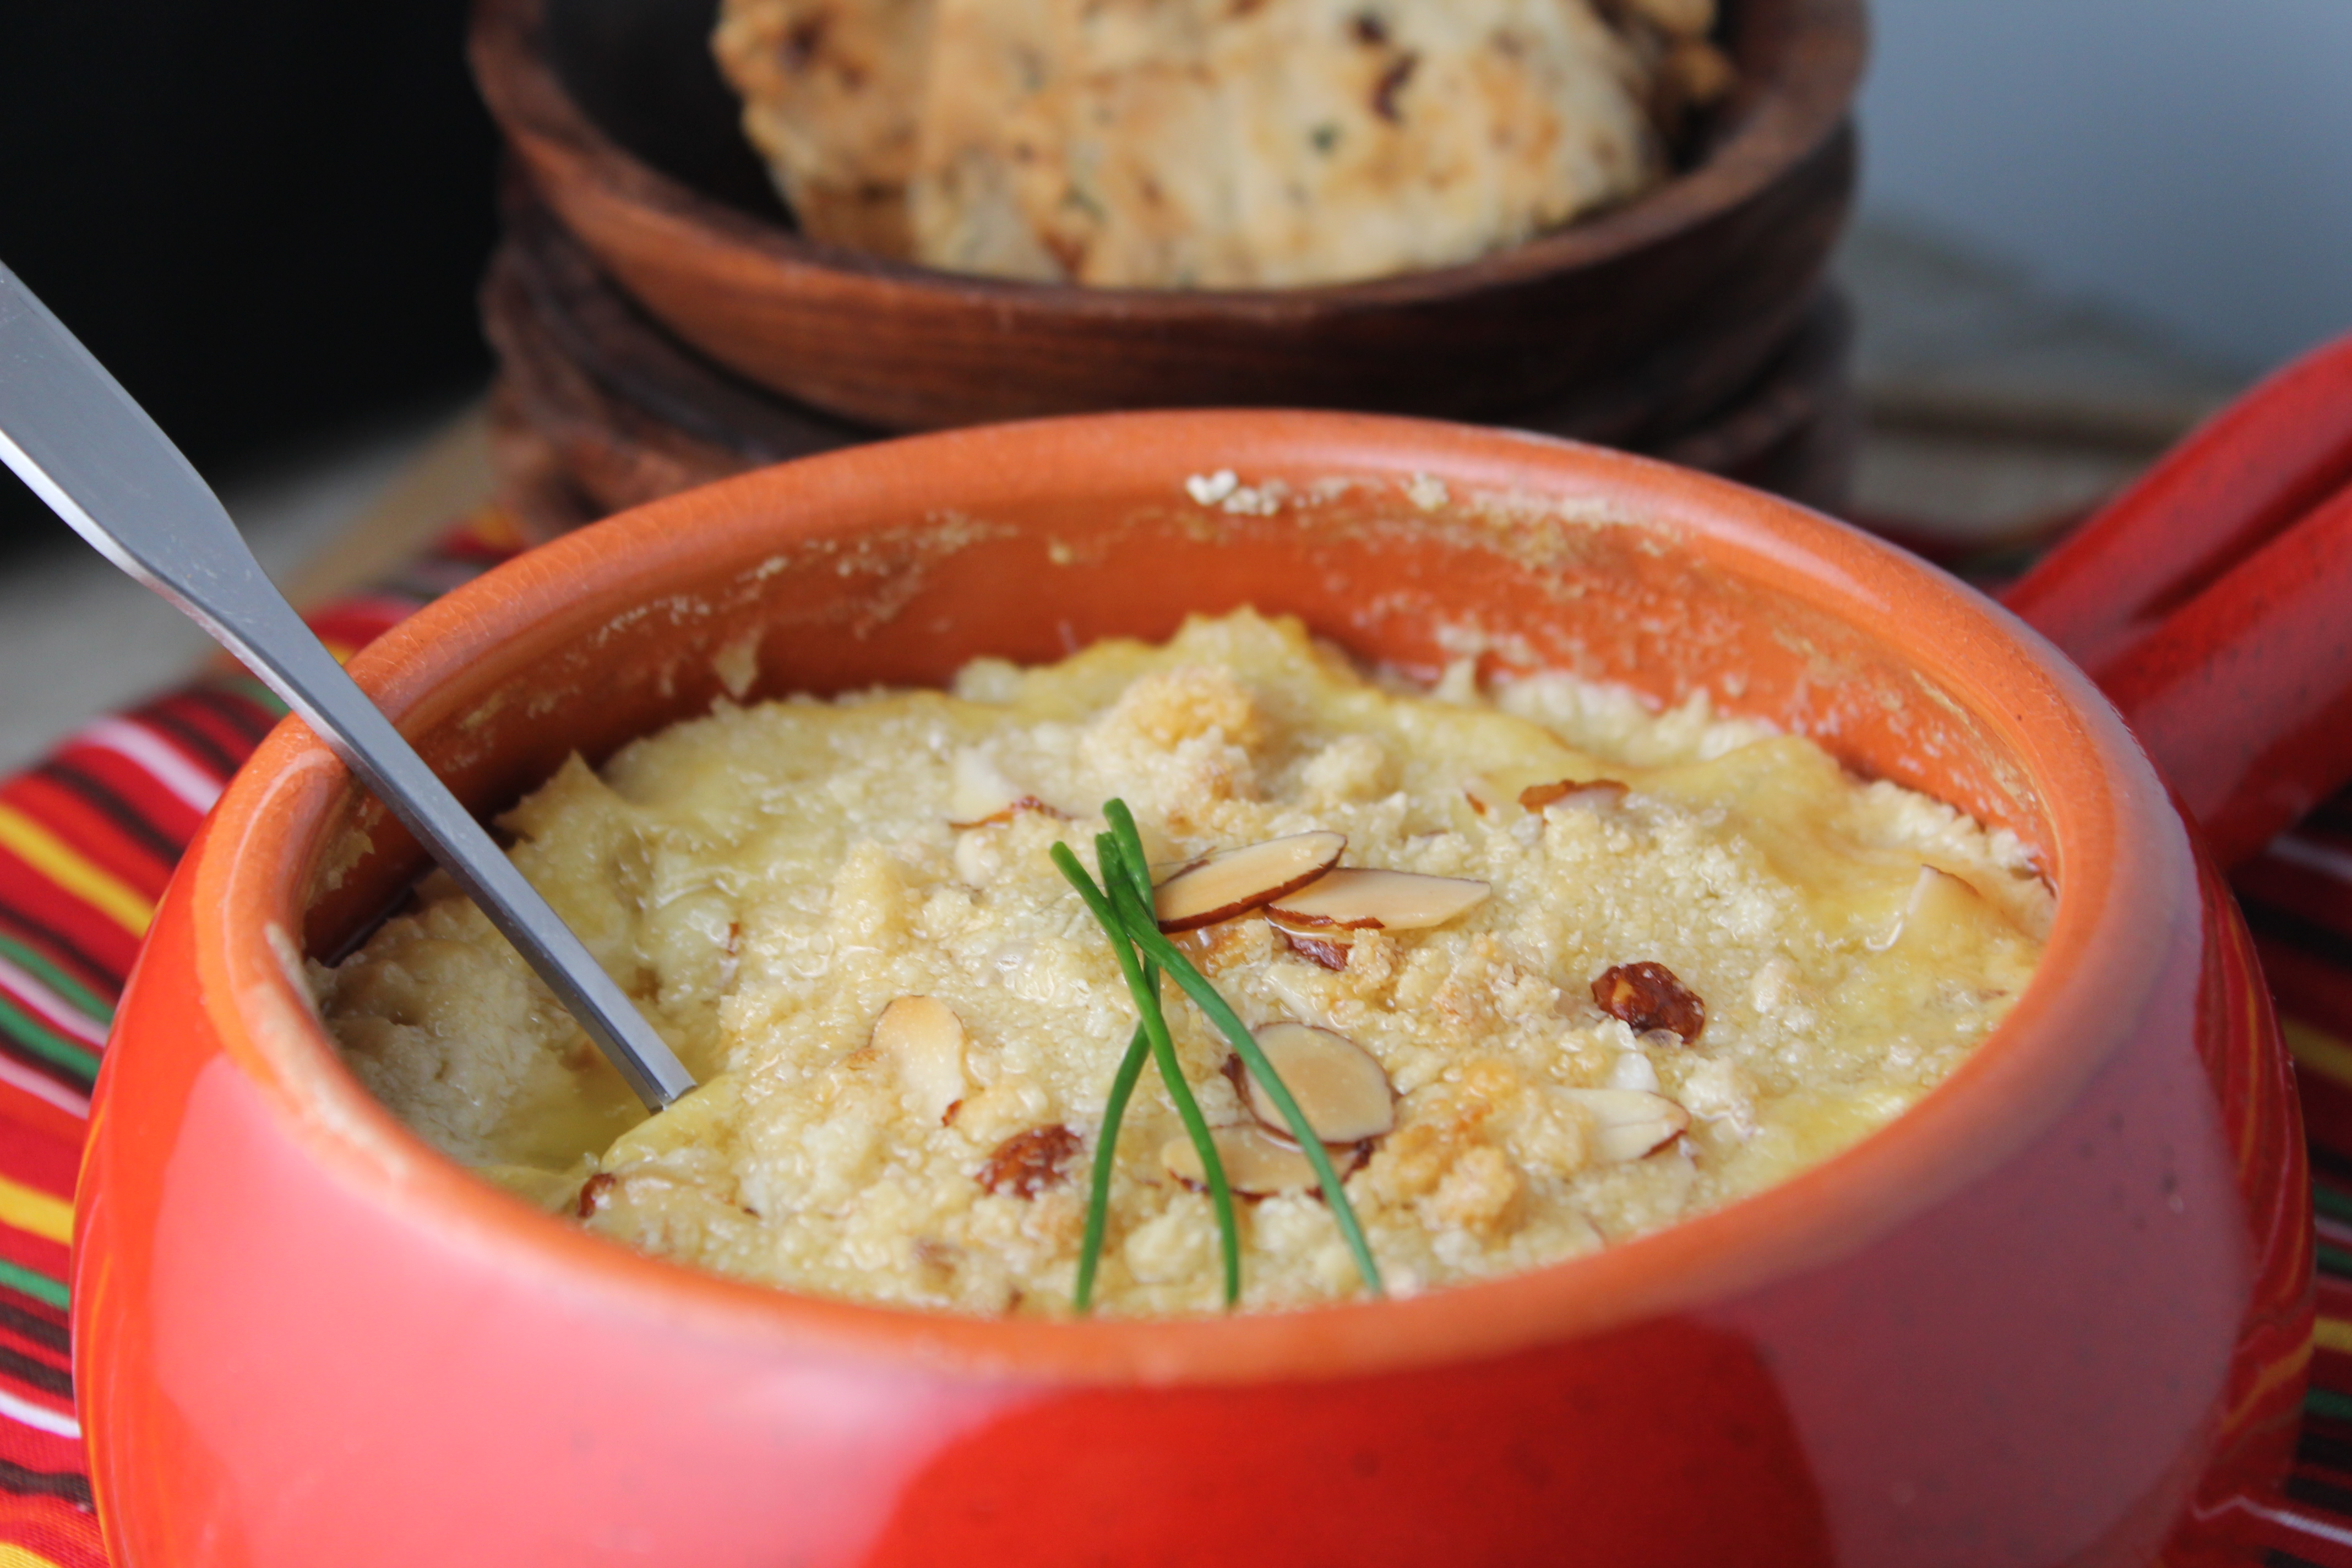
265 216
2084 223
2183 162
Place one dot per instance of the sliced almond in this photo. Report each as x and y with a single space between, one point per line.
1631 1069
1628 1123
923 1040
1940 903
1026 802
596 1192
1028 1163
980 795
1235 881
1361 900
978 789
1339 1085
1592 795
1484 797
1328 946
1258 1163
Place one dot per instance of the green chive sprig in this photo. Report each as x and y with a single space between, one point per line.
1143 984
1122 903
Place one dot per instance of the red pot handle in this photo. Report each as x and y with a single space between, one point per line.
2212 601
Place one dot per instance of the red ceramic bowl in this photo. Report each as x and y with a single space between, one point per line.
2058 1313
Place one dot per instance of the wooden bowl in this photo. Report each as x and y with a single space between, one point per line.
597 400
1662 308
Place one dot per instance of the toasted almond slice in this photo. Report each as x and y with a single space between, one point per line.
1940 903
1258 1163
1235 881
980 795
1328 946
1026 802
1480 792
1591 794
1631 1069
1357 899
595 1193
978 789
923 1039
1031 1162
1338 1084
1628 1123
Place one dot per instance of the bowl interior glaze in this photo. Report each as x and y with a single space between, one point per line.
1408 544
1409 570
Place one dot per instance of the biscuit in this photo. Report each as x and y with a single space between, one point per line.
830 89
1197 143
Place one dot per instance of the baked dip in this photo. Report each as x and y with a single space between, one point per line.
1545 970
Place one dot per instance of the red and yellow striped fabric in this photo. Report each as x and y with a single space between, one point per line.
88 840
88 836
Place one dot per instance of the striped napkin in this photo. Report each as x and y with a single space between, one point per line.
89 837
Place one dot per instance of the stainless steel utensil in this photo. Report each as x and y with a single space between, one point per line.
72 434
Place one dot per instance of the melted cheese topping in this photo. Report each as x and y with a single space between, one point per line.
766 882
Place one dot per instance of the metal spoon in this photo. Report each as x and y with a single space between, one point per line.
76 436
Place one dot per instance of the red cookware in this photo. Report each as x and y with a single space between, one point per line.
2059 1313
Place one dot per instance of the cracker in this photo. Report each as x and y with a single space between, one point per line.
1443 130
830 92
1198 144
989 60
1020 97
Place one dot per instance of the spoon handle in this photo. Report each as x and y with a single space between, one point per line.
72 434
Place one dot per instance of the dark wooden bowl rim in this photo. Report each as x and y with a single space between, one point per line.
1811 59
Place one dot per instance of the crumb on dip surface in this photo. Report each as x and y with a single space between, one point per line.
766 882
